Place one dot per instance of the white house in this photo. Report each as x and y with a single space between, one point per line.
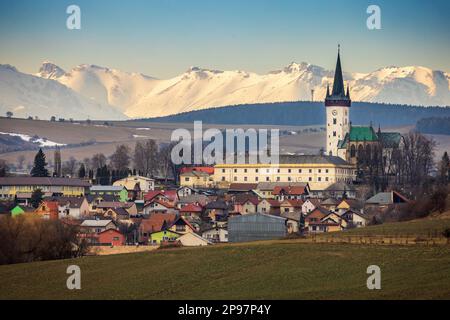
216 235
193 240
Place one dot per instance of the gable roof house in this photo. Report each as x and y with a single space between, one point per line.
192 209
291 205
383 201
316 216
181 225
154 223
298 192
118 191
48 209
159 206
349 204
355 219
72 207
309 205
103 206
269 206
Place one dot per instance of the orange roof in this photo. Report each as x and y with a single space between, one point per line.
208 170
52 205
191 207
291 190
155 222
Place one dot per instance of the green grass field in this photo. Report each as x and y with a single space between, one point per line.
266 270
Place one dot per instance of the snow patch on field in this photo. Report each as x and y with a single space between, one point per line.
42 142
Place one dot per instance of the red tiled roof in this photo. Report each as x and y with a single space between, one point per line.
191 207
208 170
291 190
155 222
152 194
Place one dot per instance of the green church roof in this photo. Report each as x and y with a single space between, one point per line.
362 134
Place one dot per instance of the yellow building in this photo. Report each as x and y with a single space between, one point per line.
196 179
10 186
318 171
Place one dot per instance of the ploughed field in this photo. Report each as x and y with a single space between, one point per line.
261 270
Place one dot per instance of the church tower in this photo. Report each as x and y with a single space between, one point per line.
337 105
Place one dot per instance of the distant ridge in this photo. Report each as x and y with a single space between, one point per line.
306 113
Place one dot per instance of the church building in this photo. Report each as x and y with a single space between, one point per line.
344 140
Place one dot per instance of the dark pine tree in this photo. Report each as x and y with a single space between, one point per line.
39 168
36 198
82 171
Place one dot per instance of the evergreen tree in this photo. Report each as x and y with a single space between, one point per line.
36 198
444 168
82 171
39 168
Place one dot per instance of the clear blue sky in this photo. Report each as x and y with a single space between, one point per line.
162 38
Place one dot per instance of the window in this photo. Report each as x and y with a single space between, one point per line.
310 179
334 121
116 239
245 170
256 170
319 179
299 170
223 170
235 170
289 179
256 179
223 178
245 178
334 133
278 178
289 170
310 170
181 228
186 179
235 178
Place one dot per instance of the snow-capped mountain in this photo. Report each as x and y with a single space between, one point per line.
27 95
140 96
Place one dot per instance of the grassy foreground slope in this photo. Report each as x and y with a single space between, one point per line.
266 270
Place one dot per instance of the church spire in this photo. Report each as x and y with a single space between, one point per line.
338 84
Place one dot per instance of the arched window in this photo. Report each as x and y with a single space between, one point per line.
352 151
360 152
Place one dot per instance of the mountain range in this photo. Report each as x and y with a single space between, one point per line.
104 93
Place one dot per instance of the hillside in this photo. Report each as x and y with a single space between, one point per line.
267 270
306 114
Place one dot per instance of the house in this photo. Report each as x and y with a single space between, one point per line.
156 238
293 221
329 204
143 184
196 179
185 191
110 237
192 210
11 186
236 188
309 205
193 240
217 210
96 226
199 199
117 214
164 195
103 206
355 219
384 199
340 190
159 206
17 211
154 223
216 234
291 205
72 207
249 206
256 226
316 216
118 191
269 206
333 217
48 209
181 225
297 192
322 227
349 204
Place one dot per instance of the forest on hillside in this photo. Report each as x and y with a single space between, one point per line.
307 113
434 125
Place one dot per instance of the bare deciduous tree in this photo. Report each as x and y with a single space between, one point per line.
145 157
120 159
